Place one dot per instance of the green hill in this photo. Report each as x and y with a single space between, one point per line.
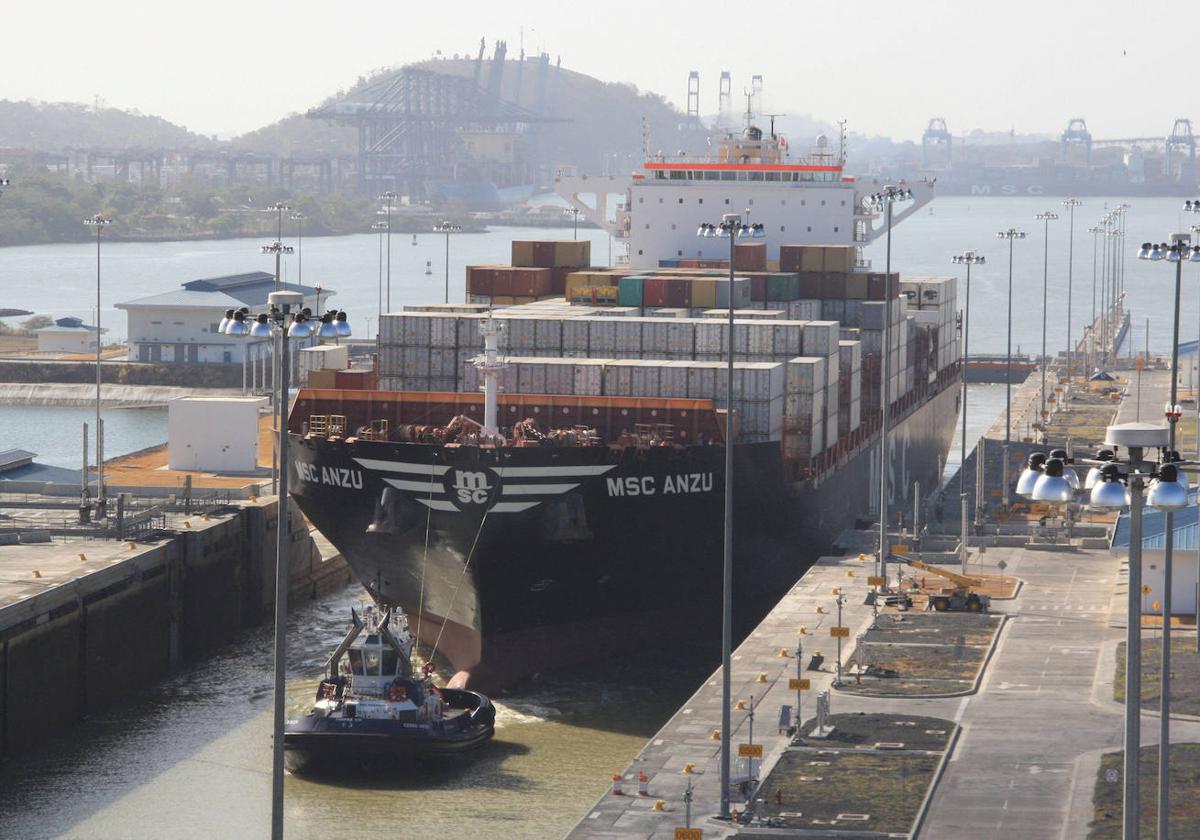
53 126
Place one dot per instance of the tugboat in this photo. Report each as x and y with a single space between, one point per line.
374 711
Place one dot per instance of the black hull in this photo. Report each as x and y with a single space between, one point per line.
584 551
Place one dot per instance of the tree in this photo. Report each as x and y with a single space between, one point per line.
36 323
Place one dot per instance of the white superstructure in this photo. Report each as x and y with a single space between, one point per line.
802 200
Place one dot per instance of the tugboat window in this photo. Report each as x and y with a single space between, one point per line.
371 660
389 663
356 666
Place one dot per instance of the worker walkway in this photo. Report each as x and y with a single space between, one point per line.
1025 762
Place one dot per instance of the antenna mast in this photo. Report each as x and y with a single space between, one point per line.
841 142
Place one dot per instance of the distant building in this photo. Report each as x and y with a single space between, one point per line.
19 465
67 335
181 326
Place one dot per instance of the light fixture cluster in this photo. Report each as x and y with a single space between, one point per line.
446 227
1052 480
1011 233
1191 206
726 229
968 258
277 248
1175 252
888 195
240 323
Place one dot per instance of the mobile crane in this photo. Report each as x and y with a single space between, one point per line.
962 597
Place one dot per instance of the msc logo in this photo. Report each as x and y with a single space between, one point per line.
471 488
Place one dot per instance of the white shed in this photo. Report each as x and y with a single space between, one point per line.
67 335
213 434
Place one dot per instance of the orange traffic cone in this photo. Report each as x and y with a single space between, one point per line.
643 784
616 785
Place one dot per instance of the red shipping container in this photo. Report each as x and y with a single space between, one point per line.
479 279
750 256
833 286
758 287
789 257
875 286
530 282
356 379
558 280
810 283
543 254
672 292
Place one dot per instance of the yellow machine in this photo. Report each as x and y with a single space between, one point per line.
962 598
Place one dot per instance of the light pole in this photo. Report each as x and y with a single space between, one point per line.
884 200
278 249
379 227
731 228
574 213
299 218
967 258
1046 218
388 198
99 222
447 228
1095 231
285 321
280 208
1012 234
1070 204
1167 494
1179 252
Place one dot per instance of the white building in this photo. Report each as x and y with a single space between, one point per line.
181 325
213 434
67 335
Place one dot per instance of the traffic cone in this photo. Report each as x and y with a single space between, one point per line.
643 784
616 785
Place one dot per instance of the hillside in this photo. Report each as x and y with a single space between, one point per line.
53 126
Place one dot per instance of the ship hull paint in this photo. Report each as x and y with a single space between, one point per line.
629 550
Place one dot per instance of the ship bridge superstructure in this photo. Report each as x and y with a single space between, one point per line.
804 199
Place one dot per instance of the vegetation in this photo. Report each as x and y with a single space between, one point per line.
58 125
1185 793
1185 674
26 327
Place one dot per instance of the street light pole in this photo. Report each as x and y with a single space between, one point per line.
379 227
1070 204
447 228
1012 234
299 218
884 200
967 258
388 198
278 249
99 222
731 227
1046 218
280 208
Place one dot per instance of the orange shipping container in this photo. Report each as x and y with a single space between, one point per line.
522 253
750 256
573 253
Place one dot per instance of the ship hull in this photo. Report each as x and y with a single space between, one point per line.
555 555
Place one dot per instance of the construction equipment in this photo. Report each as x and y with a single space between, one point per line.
963 597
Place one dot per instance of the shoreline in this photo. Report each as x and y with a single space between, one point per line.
78 395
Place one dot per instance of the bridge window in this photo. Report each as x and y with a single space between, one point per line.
782 228
728 176
678 175
710 175
700 201
772 176
681 201
755 176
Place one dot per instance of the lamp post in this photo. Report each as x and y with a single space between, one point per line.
1178 252
285 321
967 258
278 249
379 227
1070 204
447 228
280 208
1095 231
574 213
299 218
1046 218
1012 234
388 198
884 200
731 228
99 222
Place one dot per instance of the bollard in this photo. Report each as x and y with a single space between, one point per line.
616 785
643 784
778 796
660 805
762 678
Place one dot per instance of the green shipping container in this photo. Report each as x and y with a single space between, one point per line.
630 293
783 286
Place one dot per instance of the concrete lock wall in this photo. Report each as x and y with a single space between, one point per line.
79 647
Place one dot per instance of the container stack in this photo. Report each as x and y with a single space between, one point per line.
804 408
539 269
849 386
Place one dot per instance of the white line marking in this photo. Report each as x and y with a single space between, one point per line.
438 504
534 489
547 472
426 487
962 707
513 507
400 466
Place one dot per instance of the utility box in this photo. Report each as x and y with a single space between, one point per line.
213 434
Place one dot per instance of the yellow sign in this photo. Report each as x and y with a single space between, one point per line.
688 834
899 549
798 684
876 580
749 750
839 632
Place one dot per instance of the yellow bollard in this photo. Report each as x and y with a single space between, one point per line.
715 736
36 573
660 805
762 678
803 629
689 768
82 557
740 705
784 653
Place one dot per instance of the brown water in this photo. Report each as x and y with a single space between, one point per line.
191 757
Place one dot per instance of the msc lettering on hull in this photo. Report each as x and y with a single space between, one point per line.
648 485
333 476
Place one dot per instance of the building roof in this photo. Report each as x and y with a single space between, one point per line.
18 465
1154 530
10 458
69 324
230 292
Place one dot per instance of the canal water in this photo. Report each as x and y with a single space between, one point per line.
191 758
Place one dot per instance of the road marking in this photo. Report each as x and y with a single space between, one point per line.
962 708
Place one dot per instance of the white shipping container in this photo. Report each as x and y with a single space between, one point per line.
681 338
628 335
820 337
673 380
414 330
702 380
849 355
710 336
522 335
443 363
416 362
548 336
443 330
805 374
589 377
833 310
761 418
787 338
807 309
468 332
618 377
602 337
763 381
443 383
575 334
644 379
470 381
560 376
759 338
855 414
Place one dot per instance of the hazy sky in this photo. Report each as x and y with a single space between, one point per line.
225 67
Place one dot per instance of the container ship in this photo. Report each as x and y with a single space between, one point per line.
537 475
